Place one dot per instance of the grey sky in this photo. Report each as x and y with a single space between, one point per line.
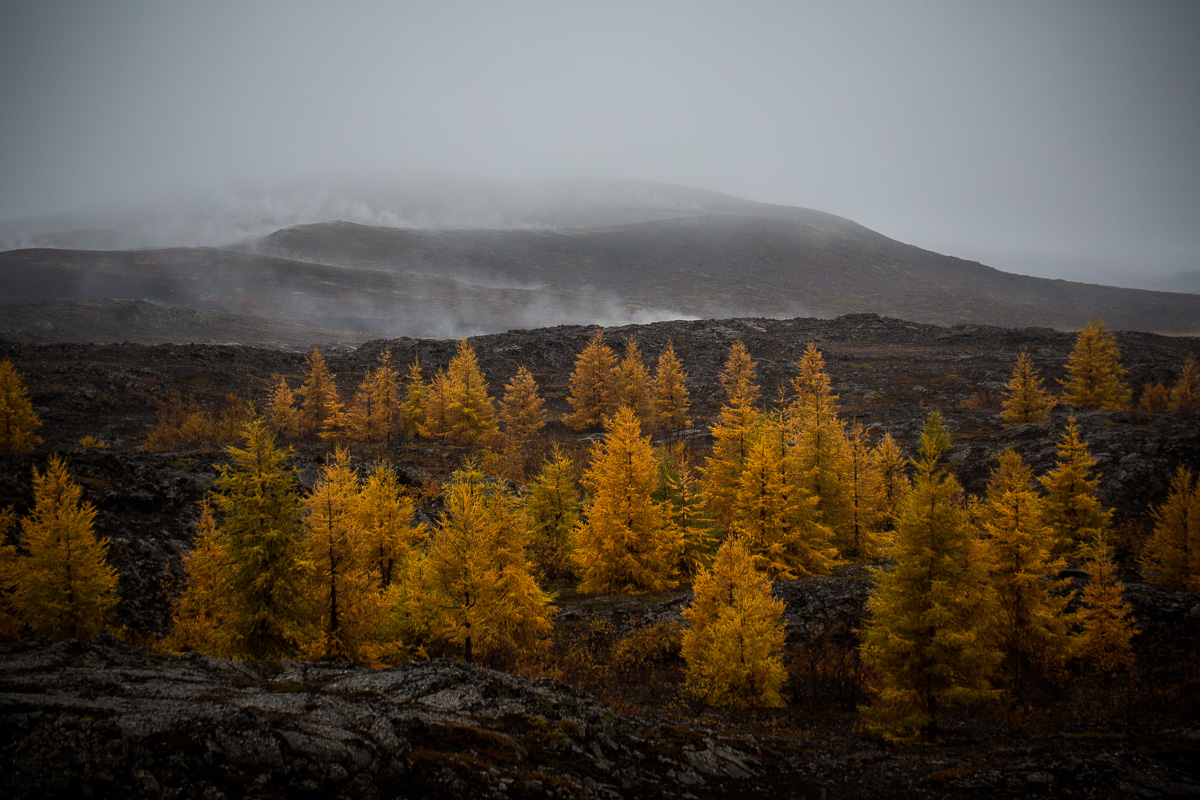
1043 137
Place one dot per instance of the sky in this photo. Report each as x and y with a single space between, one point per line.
1046 137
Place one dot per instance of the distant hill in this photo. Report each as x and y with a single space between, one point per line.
460 256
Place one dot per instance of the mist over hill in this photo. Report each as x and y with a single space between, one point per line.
351 259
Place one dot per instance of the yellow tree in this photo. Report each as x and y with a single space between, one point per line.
478 584
677 488
346 596
319 402
553 510
1072 510
738 376
822 442
282 414
255 495
374 415
469 410
1174 549
437 408
778 519
386 517
1106 620
627 542
734 647
893 477
64 588
1025 399
200 615
593 386
416 394
864 536
522 410
1030 625
1185 393
731 433
925 630
670 401
633 384
1095 377
17 419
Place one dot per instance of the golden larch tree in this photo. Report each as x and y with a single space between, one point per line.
671 400
1173 550
1029 626
1185 392
776 517
1025 397
17 418
553 510
319 401
10 624
734 647
627 543
593 385
633 383
478 584
1072 509
865 534
926 625
731 433
1107 625
282 414
1095 376
386 515
893 477
821 441
259 512
738 376
1155 398
469 410
374 413
522 410
437 408
416 394
677 488
346 595
65 588
201 614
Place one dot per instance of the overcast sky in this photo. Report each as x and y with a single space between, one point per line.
1065 134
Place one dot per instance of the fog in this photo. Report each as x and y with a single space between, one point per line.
1056 139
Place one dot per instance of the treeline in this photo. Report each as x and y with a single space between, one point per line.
968 606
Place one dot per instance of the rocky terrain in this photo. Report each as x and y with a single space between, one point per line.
123 721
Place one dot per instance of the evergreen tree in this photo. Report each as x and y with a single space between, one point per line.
553 510
260 517
319 402
864 536
478 582
1106 619
734 648
1174 549
200 616
1072 510
17 419
469 410
64 588
1096 379
1029 625
627 542
522 411
412 410
633 384
670 399
1026 399
1185 393
777 518
593 386
345 594
386 517
738 376
926 617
